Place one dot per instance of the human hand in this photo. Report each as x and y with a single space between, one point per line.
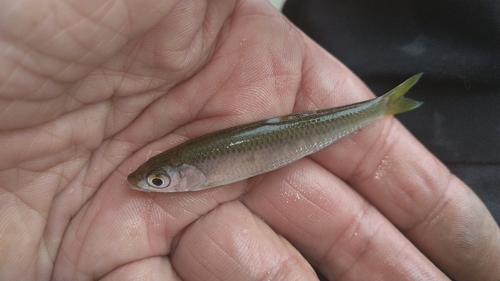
90 90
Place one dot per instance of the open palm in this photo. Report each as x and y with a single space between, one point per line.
90 90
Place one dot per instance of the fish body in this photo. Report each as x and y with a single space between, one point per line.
240 152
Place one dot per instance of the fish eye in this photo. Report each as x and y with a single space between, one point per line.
158 180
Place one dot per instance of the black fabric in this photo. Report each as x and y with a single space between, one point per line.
455 43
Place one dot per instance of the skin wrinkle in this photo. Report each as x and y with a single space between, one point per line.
302 96
19 66
100 21
199 115
183 204
207 268
283 217
68 257
388 146
396 254
20 198
149 220
419 215
25 224
27 221
42 71
242 113
67 68
81 258
68 62
66 30
37 23
80 102
182 58
42 22
204 32
170 216
49 173
121 30
10 56
278 264
17 201
145 219
406 211
298 258
47 133
234 260
60 59
112 127
303 196
88 177
77 183
128 64
45 84
86 191
281 266
305 94
24 156
63 179
367 245
381 147
43 256
54 233
433 211
332 246
278 89
210 268
111 149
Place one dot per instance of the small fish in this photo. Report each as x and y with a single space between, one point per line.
240 152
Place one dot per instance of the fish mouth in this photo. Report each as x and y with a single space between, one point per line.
133 182
136 184
131 179
135 187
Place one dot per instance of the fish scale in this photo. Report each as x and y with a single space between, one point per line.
240 152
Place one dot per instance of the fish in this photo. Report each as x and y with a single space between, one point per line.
237 153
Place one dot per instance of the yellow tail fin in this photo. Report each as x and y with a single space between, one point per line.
395 101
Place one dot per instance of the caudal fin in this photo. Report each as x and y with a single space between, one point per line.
395 100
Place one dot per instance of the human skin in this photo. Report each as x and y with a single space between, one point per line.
89 90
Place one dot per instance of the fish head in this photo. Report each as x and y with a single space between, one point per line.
167 179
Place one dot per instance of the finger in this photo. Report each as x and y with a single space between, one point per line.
155 268
230 243
336 230
120 225
434 209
